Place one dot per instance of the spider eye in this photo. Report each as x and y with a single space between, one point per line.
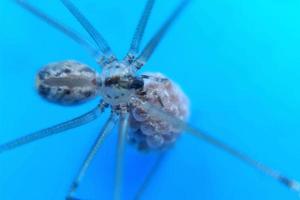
67 82
137 83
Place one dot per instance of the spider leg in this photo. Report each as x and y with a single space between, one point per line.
139 32
155 40
73 123
107 128
181 125
61 27
150 176
96 36
123 130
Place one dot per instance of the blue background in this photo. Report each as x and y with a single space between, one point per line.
238 61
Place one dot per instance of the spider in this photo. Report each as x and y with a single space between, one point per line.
151 109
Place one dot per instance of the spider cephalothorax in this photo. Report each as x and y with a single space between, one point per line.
119 84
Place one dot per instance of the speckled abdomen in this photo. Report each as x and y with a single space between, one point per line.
67 82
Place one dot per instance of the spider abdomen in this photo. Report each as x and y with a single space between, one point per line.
67 82
148 131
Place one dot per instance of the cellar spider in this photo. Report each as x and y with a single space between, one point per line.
151 109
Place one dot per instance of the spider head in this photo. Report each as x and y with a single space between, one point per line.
119 84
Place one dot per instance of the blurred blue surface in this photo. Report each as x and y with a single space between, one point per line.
238 61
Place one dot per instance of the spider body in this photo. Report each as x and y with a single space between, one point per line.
119 84
71 82
151 109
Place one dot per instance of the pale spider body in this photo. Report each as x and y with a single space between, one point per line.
119 84
71 82
151 109
67 82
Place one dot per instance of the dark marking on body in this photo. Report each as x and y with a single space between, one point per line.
67 91
160 101
94 81
97 82
87 94
154 78
130 58
137 83
58 74
67 71
44 90
112 81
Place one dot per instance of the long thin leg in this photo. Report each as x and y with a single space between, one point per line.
123 130
61 27
73 123
155 40
110 123
97 37
181 125
139 32
150 176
